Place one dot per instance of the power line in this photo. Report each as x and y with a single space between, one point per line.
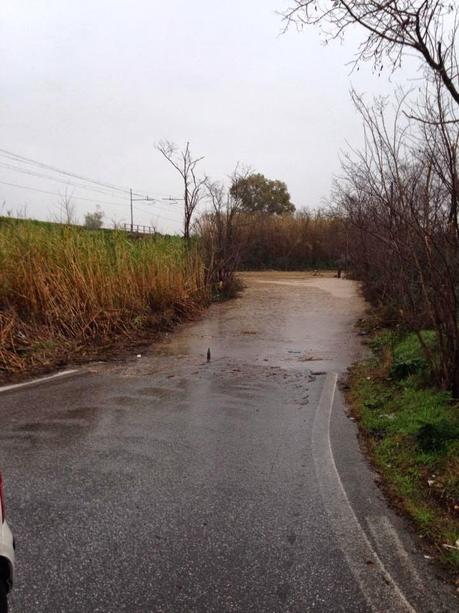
16 160
43 191
153 213
26 160
29 172
106 202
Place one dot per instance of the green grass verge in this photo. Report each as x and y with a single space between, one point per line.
412 432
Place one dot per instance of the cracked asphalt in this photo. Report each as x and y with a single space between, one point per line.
169 484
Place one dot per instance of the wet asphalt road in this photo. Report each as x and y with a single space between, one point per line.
169 484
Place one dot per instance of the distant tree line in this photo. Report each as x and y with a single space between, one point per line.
265 231
305 240
253 225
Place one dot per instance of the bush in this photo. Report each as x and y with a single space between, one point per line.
413 433
409 357
434 437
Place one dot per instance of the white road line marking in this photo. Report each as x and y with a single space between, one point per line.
382 531
7 388
379 588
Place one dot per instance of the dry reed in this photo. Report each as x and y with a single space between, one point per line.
64 289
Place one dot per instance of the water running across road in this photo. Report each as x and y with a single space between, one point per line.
173 484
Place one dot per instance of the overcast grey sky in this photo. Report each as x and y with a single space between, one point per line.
91 86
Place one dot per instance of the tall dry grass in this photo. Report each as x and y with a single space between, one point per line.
291 242
63 289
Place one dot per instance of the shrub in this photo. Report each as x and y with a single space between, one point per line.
409 357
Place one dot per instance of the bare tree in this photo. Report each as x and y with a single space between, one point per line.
22 212
221 239
116 223
398 194
392 27
67 209
438 141
185 164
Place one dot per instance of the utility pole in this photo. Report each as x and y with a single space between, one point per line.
132 200
132 212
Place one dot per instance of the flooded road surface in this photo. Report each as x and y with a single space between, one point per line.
169 484
291 320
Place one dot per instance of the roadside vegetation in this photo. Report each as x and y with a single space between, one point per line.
66 291
398 195
412 434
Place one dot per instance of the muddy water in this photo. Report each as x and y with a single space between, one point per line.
288 320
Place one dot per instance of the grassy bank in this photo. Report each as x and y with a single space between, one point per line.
412 434
64 290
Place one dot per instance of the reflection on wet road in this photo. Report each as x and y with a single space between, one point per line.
172 484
